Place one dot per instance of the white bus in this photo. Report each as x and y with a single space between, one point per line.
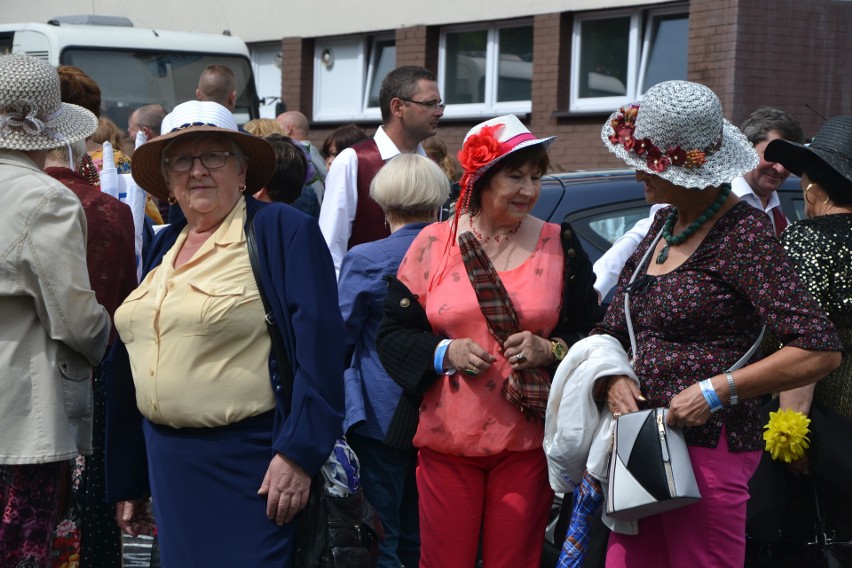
135 66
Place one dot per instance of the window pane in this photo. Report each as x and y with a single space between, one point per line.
465 77
612 224
383 62
516 54
667 60
129 79
604 50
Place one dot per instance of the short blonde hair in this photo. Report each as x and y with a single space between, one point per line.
410 187
263 127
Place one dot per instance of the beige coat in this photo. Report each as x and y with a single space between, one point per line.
52 330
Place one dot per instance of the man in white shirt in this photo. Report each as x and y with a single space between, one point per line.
758 188
411 107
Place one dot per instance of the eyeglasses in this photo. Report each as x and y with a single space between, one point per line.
210 160
431 106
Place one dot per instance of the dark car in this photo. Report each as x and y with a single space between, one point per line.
601 206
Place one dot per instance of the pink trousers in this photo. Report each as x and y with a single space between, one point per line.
710 533
505 497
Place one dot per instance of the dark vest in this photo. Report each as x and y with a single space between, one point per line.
369 224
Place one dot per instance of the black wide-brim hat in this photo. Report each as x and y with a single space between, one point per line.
828 156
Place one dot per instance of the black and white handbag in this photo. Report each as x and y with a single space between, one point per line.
650 471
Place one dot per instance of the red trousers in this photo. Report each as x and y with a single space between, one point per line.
709 533
504 498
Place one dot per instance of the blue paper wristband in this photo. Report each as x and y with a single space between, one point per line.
440 353
710 395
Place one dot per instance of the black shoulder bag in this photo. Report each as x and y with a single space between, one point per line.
332 532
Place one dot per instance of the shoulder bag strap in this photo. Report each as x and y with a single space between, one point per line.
639 267
278 348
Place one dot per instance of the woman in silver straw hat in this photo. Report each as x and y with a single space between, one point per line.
713 276
820 250
54 332
197 410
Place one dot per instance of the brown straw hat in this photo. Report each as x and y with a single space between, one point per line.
32 114
194 117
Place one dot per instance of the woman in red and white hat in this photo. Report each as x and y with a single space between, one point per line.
485 307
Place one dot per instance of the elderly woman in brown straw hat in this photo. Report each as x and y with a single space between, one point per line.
198 410
708 276
53 330
820 250
485 307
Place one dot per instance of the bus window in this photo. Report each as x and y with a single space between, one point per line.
129 79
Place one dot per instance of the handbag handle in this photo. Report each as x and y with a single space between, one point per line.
639 267
278 347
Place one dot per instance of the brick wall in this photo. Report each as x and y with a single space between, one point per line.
787 53
297 74
799 59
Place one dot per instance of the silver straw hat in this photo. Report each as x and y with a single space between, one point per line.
32 114
678 132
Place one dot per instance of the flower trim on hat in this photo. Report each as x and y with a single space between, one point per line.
478 151
23 116
623 127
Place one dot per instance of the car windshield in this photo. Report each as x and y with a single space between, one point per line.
129 79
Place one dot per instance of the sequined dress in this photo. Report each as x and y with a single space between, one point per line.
820 250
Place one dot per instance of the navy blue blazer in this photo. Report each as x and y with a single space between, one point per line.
299 279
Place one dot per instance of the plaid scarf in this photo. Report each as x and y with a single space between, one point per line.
588 497
526 389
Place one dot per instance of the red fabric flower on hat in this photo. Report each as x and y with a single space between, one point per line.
480 149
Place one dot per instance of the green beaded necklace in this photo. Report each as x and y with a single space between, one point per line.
694 226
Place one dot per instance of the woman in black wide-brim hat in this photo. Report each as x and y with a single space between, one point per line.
820 250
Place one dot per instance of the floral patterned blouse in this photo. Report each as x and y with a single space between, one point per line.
699 319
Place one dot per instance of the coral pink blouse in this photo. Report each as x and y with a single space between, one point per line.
464 415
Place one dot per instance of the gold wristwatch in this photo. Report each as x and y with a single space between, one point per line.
558 350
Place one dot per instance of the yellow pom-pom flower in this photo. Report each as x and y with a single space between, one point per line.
786 435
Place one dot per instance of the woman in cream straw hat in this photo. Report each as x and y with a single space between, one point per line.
197 410
53 330
485 307
713 275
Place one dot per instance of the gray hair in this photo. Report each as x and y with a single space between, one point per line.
71 153
410 188
764 120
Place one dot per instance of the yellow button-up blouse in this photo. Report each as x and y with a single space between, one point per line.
195 335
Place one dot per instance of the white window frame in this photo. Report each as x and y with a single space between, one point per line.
490 107
366 59
371 71
637 56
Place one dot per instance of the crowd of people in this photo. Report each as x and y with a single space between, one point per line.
162 404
